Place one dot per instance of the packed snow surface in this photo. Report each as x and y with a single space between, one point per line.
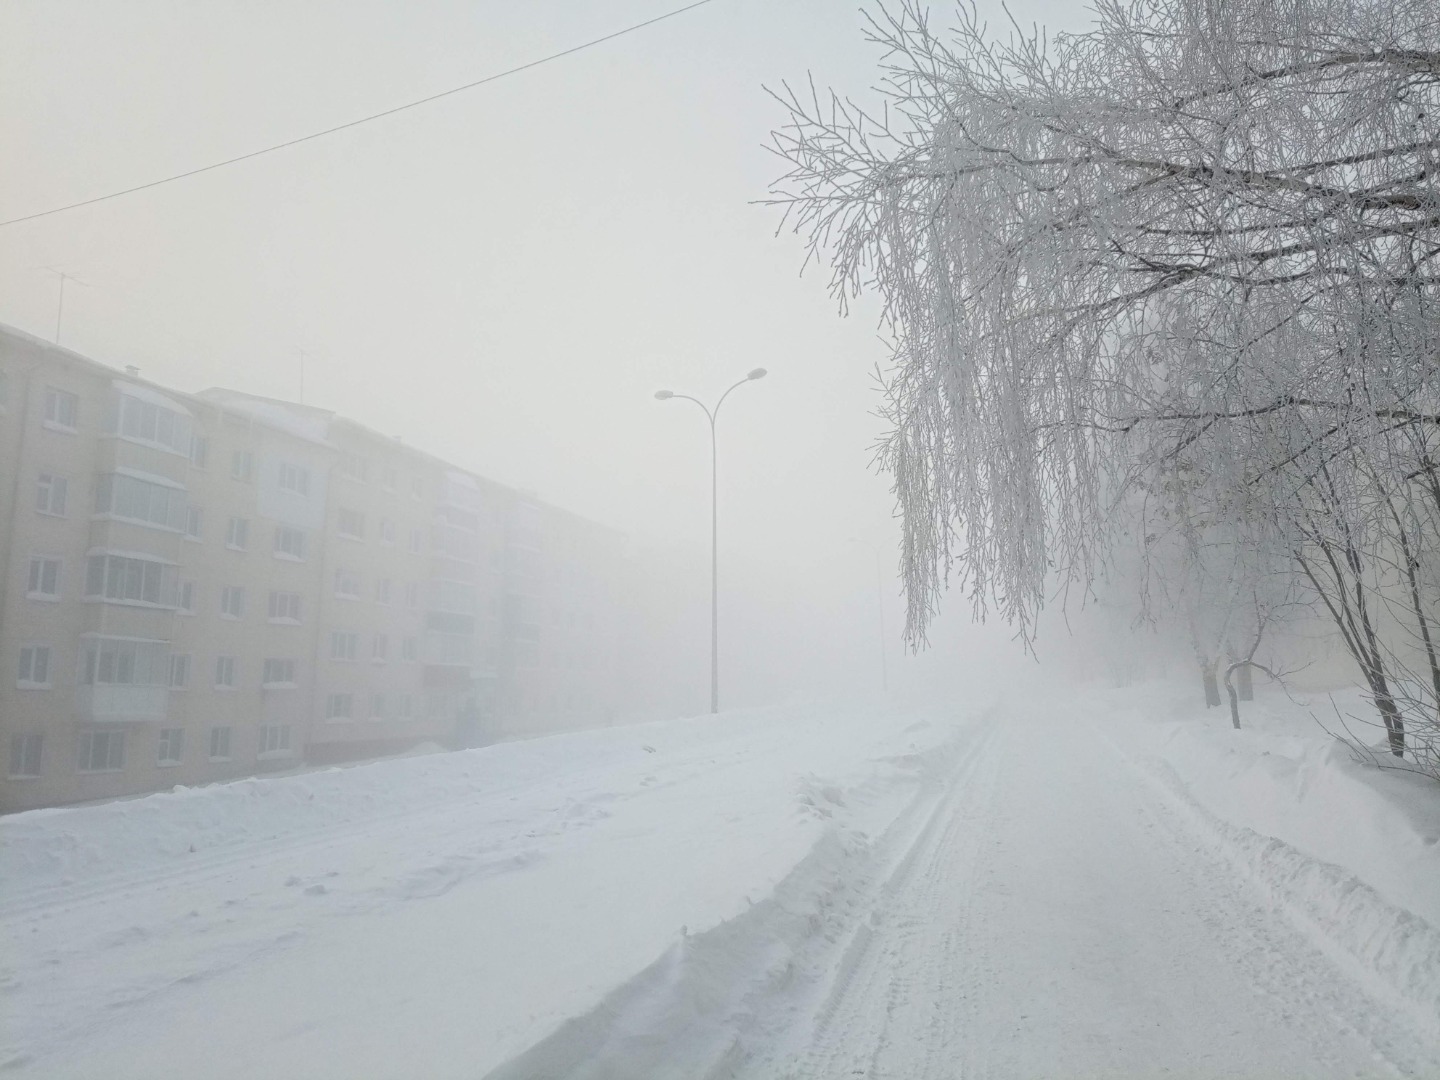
1096 884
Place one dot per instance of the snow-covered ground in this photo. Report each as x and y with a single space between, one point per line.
1094 883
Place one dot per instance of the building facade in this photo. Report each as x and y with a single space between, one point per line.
200 587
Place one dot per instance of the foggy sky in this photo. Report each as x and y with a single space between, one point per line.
504 277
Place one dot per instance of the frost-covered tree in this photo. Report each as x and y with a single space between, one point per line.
1200 236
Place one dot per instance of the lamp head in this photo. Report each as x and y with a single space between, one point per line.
758 373
664 395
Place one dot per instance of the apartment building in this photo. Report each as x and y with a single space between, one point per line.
199 587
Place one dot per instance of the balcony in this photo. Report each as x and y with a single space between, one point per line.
117 702
448 650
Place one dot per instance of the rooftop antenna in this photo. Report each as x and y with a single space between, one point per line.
60 307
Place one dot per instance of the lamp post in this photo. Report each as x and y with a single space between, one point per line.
711 414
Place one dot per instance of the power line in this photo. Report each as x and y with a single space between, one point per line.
363 120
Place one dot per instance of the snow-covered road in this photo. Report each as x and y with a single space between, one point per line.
1058 916
787 893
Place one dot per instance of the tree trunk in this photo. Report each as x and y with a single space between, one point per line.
1212 684
1246 689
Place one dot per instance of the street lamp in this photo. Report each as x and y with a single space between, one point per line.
711 414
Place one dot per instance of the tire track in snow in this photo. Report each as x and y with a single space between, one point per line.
1057 916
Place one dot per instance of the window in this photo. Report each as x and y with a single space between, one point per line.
382 591
294 478
179 671
187 597
389 478
194 522
380 649
50 494
219 744
289 543
417 541
237 534
412 594
284 607
140 501
347 584
25 755
102 751
152 424
199 450
377 706
128 580
407 706
242 466
125 662
172 745
274 740
62 409
34 667
44 578
339 707
225 673
278 672
407 648
417 487
232 602
387 531
355 467
344 646
350 524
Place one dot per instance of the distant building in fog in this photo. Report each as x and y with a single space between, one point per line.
199 587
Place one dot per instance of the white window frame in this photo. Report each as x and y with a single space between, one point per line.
278 673
279 736
55 489
380 649
232 601
349 584
119 493
199 450
114 580
227 673
215 755
294 479
242 466
290 543
237 534
194 523
339 707
55 420
20 766
35 590
170 747
36 658
114 742
179 671
344 645
350 524
280 603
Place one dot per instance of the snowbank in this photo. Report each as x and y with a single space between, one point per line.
1351 851
477 902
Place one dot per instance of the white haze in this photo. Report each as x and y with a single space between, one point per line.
503 277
